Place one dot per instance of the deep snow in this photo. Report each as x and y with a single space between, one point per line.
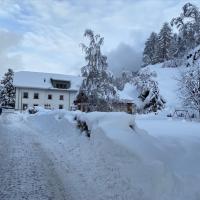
45 156
168 83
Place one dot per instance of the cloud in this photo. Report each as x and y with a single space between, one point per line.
124 58
9 58
51 30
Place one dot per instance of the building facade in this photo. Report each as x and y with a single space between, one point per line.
51 91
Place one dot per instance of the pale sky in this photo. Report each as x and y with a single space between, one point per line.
44 35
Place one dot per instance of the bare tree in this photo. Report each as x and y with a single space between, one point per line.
190 87
98 82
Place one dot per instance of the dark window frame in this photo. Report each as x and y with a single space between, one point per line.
61 106
61 97
47 106
25 96
50 97
36 95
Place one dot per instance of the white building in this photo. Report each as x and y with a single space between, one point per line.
52 91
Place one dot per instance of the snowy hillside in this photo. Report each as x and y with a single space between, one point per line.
168 84
167 79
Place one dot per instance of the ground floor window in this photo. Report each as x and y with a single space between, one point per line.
47 106
49 96
35 105
60 106
24 106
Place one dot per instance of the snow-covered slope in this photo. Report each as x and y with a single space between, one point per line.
167 79
168 84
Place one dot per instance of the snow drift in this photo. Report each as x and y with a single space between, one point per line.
119 160
167 79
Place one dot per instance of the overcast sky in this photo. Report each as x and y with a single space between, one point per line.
44 35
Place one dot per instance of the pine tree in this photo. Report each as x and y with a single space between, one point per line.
164 42
98 82
150 49
7 95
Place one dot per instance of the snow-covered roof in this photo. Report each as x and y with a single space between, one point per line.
26 79
129 93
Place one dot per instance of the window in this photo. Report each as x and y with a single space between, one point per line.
47 106
49 96
61 97
60 106
35 105
60 84
25 95
36 96
24 106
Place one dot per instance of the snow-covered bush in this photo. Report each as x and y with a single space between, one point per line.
190 87
148 91
193 57
173 63
32 110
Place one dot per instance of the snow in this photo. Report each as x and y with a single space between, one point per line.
130 93
45 156
43 80
167 79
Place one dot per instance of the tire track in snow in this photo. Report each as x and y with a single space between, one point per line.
26 172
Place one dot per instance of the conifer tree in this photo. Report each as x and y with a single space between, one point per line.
164 42
150 49
7 94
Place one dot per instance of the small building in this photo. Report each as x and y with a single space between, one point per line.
52 91
82 102
124 105
118 105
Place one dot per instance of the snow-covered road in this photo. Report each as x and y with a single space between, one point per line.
45 157
26 171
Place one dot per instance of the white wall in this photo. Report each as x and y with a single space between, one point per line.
69 97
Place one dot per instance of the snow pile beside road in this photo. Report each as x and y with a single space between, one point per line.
122 130
119 160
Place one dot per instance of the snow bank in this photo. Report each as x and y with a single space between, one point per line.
119 161
122 130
